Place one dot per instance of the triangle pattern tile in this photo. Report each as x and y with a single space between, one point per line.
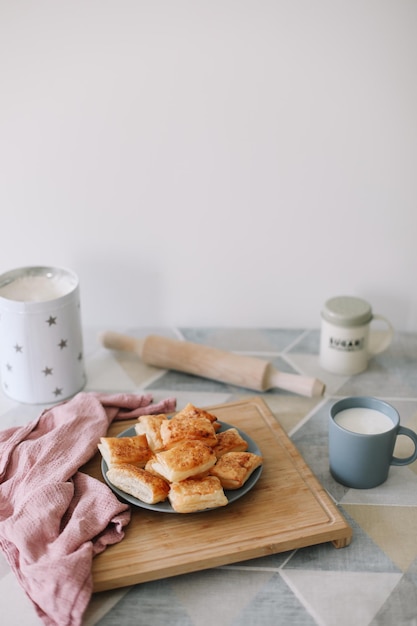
136 370
392 528
308 364
334 599
307 343
104 373
101 603
217 596
380 378
275 604
291 410
186 382
248 340
150 603
399 489
362 555
412 570
400 608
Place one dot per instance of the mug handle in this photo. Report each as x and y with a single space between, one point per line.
380 340
402 430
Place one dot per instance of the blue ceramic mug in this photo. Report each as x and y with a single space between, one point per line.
362 436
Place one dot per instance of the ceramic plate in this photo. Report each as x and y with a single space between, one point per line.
165 507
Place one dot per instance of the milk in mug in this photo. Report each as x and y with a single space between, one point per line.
363 421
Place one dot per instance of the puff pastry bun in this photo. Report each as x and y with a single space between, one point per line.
229 441
197 494
138 483
134 450
191 411
183 460
174 431
150 425
234 468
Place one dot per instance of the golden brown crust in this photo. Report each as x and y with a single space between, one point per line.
134 450
234 468
150 425
138 483
197 494
191 411
174 431
229 441
183 460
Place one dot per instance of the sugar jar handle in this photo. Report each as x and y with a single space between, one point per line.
379 340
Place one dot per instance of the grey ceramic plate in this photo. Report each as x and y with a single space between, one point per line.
165 507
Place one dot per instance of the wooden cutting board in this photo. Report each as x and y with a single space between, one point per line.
287 509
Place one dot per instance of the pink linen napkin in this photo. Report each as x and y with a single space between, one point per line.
53 518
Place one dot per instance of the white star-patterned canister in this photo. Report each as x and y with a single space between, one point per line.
41 344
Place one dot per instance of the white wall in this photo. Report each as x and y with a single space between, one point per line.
213 163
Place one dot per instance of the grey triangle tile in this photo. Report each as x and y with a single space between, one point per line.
216 596
400 607
334 599
101 603
150 603
275 604
362 555
244 339
412 571
400 489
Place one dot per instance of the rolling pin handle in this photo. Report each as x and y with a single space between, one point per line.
117 341
303 385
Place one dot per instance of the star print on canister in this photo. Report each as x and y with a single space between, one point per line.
41 344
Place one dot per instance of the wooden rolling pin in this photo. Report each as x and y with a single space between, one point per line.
226 367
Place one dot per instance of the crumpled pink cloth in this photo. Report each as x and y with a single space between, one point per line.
53 518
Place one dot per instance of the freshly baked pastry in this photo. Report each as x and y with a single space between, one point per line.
134 450
229 441
150 425
197 494
234 468
185 459
174 431
192 411
138 483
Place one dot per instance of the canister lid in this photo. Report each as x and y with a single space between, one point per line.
347 311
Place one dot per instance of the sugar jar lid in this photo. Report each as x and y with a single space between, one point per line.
347 311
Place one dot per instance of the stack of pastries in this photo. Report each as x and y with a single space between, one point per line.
184 459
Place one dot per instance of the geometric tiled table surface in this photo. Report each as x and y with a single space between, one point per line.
372 582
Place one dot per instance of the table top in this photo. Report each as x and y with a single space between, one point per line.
373 581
